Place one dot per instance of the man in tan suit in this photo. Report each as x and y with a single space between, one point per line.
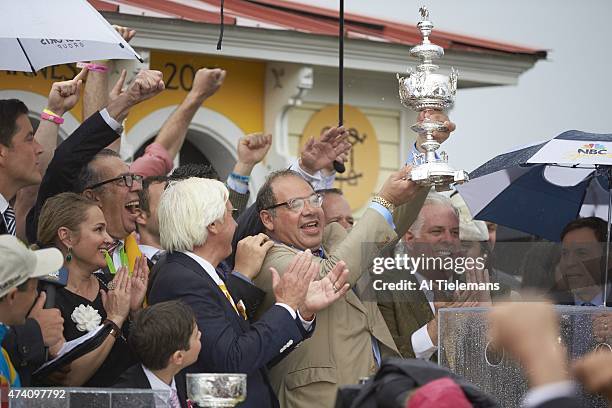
349 340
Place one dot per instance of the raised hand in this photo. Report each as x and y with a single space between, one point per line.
437 116
320 154
64 95
117 300
207 82
529 331
253 147
50 321
250 254
140 280
594 371
477 275
126 33
399 189
146 85
602 327
118 87
292 287
322 293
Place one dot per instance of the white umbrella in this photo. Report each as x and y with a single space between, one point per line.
38 33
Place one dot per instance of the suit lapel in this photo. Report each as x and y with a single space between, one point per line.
141 378
191 264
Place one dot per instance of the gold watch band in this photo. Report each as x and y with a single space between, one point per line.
379 200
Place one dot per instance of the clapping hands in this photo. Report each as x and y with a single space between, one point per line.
298 289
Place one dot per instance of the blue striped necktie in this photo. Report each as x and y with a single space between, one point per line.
9 220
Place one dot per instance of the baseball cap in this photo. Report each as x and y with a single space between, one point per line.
469 228
20 263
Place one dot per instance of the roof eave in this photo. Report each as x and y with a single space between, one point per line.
476 68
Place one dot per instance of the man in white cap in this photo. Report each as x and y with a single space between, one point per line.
476 240
19 270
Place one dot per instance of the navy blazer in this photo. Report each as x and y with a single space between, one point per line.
135 377
230 344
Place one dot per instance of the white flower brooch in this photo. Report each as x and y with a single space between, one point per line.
86 318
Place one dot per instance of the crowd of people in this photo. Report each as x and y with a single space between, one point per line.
184 276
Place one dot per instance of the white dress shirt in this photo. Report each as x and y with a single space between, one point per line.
162 399
422 345
148 250
318 180
548 392
112 123
4 205
212 272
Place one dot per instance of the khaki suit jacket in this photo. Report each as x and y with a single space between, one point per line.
340 350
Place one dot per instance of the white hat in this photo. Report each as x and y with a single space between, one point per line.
20 264
469 229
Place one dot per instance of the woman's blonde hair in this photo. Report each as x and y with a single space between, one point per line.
67 210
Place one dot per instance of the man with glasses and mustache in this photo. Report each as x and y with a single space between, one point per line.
349 341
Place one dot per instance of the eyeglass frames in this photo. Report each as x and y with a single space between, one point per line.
128 181
297 204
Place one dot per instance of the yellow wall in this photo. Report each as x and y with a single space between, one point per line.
240 99
41 82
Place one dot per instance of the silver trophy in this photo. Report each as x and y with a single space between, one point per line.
424 89
207 390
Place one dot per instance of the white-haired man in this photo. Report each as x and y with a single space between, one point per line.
411 315
196 228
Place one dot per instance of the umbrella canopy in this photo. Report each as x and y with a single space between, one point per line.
538 189
37 33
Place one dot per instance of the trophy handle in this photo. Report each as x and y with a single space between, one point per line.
492 357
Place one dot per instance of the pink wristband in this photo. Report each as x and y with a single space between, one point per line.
51 118
92 67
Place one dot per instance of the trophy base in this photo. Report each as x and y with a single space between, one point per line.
438 174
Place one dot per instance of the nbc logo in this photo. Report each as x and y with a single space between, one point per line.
592 148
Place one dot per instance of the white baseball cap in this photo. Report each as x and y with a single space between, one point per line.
18 263
469 228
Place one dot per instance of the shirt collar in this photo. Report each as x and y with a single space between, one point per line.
207 266
148 250
3 204
157 384
320 252
596 301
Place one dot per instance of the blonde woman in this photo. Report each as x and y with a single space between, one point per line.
76 226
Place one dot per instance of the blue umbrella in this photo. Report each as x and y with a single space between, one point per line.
540 188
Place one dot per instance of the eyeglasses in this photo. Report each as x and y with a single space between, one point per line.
127 179
297 204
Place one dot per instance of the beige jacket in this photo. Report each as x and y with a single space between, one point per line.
340 350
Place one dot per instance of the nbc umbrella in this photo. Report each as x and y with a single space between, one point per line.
38 33
538 189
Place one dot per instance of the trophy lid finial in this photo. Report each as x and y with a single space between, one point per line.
425 26
424 13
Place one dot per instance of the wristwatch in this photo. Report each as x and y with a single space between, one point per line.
379 200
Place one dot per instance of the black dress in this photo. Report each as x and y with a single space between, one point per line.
120 357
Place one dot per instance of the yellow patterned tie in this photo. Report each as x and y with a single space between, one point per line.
239 309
